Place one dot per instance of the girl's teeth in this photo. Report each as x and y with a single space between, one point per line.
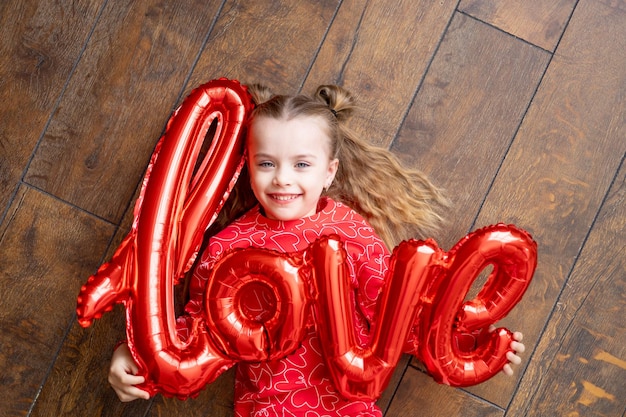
284 197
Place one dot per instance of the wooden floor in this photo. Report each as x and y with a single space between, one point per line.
516 107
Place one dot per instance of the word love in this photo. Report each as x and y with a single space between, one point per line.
421 301
421 308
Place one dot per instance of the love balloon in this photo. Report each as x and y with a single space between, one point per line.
421 309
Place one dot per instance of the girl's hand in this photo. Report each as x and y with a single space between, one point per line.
518 347
123 376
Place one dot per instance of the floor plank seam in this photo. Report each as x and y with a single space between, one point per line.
395 390
319 48
194 63
352 46
511 142
491 25
530 102
422 78
54 109
482 400
185 84
68 203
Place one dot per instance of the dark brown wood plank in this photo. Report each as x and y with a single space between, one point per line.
77 384
271 43
539 22
582 355
418 395
379 51
562 162
39 284
482 79
580 352
38 55
616 4
117 103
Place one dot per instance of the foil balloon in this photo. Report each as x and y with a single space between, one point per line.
176 204
448 322
421 309
363 372
257 303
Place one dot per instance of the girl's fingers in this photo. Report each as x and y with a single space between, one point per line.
507 370
129 379
513 358
131 394
518 347
138 393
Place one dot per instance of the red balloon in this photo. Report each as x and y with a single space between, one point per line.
447 319
257 304
421 307
362 373
175 206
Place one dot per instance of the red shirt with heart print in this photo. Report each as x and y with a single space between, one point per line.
299 384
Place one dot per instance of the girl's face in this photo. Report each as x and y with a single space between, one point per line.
290 165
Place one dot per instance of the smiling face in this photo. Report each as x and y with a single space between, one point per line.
290 165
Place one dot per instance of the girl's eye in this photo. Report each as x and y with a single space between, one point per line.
302 165
266 164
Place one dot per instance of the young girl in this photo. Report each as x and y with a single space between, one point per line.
309 176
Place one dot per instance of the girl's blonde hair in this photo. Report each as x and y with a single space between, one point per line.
398 202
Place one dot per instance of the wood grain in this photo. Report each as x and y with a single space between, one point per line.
38 55
482 79
216 400
77 384
419 395
615 4
272 43
38 284
536 21
380 51
563 159
596 126
118 101
580 356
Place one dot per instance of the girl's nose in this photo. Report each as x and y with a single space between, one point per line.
282 177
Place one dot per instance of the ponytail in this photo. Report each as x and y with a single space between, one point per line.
398 202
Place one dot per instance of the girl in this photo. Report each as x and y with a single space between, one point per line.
309 176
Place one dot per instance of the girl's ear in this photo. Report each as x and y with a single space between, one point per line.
332 171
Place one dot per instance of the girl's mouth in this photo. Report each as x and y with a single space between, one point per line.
284 197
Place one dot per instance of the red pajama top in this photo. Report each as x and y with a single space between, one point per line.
299 384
